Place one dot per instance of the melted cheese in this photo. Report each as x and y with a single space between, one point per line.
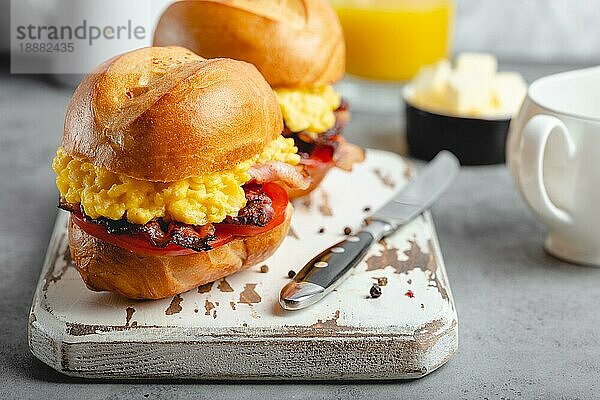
197 200
309 110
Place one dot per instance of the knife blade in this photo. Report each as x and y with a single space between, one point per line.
327 270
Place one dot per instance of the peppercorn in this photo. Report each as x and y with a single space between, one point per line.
321 230
291 274
264 268
347 230
375 291
367 209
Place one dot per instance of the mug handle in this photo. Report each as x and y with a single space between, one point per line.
531 172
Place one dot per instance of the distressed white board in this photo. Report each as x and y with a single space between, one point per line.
235 329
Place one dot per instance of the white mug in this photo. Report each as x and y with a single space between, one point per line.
553 153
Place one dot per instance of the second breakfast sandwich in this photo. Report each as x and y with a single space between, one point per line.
298 46
173 168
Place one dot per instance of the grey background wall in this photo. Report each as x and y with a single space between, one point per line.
556 31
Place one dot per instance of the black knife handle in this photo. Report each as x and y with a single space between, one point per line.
331 265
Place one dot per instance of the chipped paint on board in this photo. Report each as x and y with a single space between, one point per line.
328 323
388 257
409 171
306 202
386 179
224 286
249 295
129 311
174 306
292 233
52 277
415 258
325 206
208 306
205 288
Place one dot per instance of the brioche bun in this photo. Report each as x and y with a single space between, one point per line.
293 43
106 267
165 114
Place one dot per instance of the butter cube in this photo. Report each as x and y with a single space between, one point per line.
509 90
433 78
468 94
441 74
473 88
430 85
424 79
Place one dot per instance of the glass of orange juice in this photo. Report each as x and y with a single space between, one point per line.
392 39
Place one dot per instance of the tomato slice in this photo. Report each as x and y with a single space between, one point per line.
224 233
319 162
322 154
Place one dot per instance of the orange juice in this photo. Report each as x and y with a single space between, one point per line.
392 39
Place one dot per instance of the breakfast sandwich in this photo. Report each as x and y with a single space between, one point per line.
298 46
174 171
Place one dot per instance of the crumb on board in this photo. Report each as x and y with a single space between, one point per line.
382 280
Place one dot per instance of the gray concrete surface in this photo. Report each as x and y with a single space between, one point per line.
529 324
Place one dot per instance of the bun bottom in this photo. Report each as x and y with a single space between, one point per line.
106 267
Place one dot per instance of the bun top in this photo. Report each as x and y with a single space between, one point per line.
293 43
165 114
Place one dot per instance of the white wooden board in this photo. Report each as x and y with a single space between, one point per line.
235 329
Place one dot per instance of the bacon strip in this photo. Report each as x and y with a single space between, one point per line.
160 233
258 210
345 154
277 171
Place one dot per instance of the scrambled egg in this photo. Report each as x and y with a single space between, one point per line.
197 200
309 110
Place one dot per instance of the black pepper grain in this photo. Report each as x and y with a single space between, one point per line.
321 230
264 268
347 230
367 209
375 291
291 274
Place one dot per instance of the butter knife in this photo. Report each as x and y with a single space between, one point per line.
327 270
